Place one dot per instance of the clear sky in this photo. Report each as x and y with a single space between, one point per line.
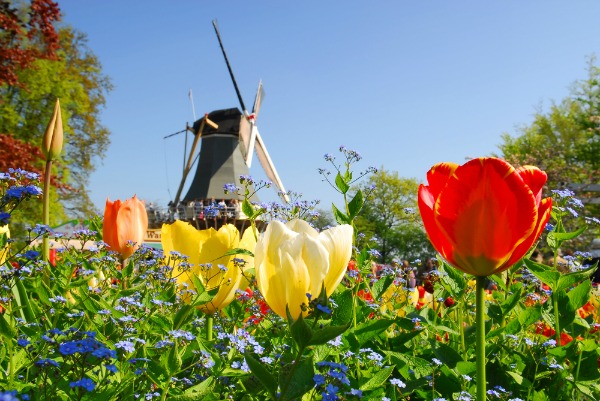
406 83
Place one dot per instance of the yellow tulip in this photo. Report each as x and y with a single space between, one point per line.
53 137
207 248
4 236
293 259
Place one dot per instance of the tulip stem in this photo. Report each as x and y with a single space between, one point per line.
480 337
209 328
46 210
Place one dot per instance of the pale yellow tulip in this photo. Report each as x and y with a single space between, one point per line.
209 247
293 259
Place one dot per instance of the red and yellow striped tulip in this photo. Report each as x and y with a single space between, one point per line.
125 225
485 215
293 259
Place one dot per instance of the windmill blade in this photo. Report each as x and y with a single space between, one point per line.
267 164
260 94
248 128
237 90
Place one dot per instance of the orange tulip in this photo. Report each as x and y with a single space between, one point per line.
483 216
125 225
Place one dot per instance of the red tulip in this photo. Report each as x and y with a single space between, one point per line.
483 216
125 225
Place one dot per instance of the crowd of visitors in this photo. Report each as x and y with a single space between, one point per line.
199 209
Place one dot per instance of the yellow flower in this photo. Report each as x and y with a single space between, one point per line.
293 259
53 137
4 236
206 247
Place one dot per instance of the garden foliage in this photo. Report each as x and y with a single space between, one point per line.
86 325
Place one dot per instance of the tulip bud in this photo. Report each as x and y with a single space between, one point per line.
53 137
124 223
4 245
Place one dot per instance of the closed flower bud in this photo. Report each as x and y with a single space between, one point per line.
125 225
53 137
4 245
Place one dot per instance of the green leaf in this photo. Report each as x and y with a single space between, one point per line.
162 321
7 330
543 273
341 184
555 239
419 366
238 251
381 286
378 379
262 374
247 208
301 332
182 316
196 392
327 333
454 281
340 217
512 301
530 315
22 299
356 204
570 279
173 360
465 368
343 313
372 328
299 382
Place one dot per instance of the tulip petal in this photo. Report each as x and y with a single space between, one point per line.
426 202
109 228
338 242
534 178
544 211
132 223
295 273
315 258
438 176
485 211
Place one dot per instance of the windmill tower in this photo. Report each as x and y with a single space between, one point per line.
229 138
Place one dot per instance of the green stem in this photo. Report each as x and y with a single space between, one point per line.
209 328
480 335
461 330
46 210
556 317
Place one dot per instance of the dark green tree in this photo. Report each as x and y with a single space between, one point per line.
390 220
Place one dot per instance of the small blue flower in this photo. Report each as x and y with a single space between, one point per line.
85 383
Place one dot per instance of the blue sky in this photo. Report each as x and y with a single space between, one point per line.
406 83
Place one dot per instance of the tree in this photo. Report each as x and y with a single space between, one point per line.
75 76
390 216
26 36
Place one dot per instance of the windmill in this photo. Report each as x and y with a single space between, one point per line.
230 137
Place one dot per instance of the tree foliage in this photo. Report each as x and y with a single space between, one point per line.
390 218
26 36
564 141
74 76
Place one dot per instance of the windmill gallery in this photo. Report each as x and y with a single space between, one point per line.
228 139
